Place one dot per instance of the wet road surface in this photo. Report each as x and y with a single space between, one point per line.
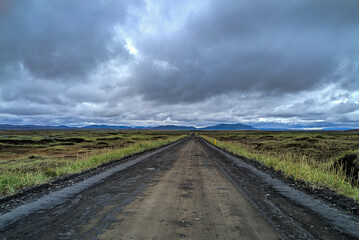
190 190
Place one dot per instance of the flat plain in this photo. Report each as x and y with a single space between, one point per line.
28 158
189 189
319 158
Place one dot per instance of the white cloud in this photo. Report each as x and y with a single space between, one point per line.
193 62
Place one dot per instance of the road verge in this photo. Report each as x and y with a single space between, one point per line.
308 176
69 179
257 181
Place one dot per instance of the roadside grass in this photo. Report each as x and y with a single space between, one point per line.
298 162
30 170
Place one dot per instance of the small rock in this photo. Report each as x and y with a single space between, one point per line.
181 235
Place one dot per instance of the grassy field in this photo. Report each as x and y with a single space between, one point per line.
29 158
319 158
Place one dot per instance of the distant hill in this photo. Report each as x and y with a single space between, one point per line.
106 127
353 130
316 126
173 127
225 127
31 127
238 126
337 129
162 127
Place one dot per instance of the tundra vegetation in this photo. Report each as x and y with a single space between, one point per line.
28 158
321 159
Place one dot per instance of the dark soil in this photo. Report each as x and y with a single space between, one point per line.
294 220
291 219
349 165
29 194
325 194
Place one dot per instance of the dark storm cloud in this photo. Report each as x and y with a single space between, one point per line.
237 46
344 108
154 62
60 39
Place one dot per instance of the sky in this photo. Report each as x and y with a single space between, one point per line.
153 62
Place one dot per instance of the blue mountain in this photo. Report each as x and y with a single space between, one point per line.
106 127
173 127
238 126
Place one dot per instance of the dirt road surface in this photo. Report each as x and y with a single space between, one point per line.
188 190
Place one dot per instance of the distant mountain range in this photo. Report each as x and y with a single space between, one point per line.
324 126
238 126
173 127
105 127
354 130
31 127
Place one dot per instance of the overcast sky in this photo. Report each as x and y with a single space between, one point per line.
152 62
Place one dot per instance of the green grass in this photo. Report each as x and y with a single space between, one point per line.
29 170
308 161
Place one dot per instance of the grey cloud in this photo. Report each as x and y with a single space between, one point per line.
25 108
235 46
344 108
198 62
61 39
348 72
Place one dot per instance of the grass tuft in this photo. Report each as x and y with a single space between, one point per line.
316 173
33 170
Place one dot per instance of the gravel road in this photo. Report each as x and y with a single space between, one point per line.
187 190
